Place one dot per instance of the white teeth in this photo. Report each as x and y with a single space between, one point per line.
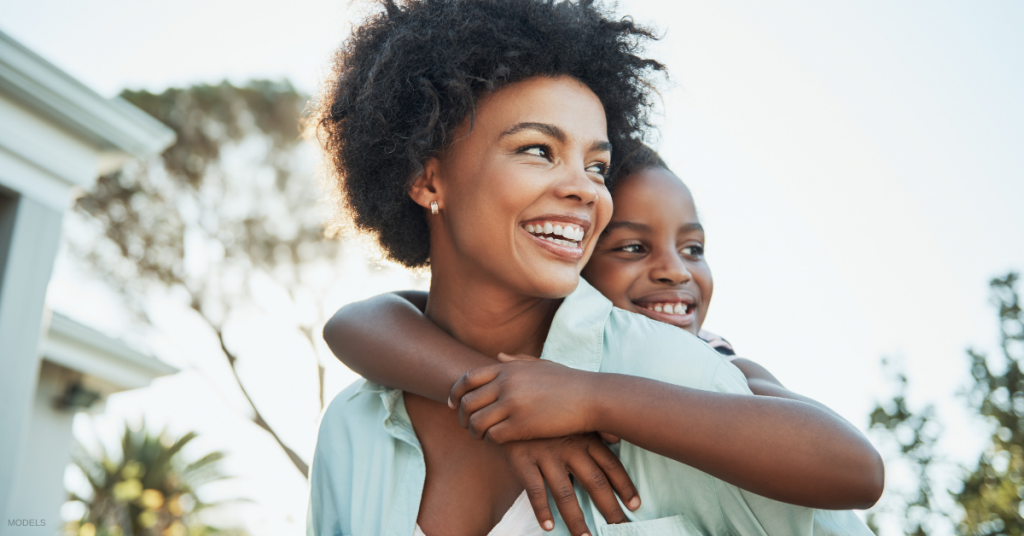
668 308
572 234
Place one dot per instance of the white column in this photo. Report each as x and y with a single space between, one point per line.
29 238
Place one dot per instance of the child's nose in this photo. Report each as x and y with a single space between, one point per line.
671 269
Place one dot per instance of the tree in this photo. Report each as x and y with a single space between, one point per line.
987 499
231 202
146 489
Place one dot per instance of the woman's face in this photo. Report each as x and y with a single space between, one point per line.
522 192
650 259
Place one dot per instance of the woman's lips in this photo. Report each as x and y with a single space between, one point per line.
572 253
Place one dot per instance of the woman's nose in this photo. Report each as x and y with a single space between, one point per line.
670 269
579 186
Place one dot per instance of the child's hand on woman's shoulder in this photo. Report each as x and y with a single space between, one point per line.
524 398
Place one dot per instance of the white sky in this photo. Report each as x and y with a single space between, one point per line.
858 166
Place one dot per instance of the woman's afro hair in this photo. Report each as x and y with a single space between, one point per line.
409 75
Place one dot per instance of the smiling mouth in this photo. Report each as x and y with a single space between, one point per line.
677 308
563 234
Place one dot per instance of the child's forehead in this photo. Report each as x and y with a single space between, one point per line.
653 188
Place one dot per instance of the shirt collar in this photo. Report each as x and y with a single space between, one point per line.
396 419
576 337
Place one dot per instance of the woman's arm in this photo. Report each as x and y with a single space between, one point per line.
783 449
386 339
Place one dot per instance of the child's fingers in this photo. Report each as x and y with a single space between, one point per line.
616 474
476 400
479 422
533 483
593 480
565 498
501 432
608 438
471 380
505 358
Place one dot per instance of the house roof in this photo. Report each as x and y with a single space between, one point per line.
78 347
110 124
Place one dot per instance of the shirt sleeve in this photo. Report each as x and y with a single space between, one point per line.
728 379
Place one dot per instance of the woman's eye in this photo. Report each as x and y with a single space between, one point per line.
536 150
694 251
600 168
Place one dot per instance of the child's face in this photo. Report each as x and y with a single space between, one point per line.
650 258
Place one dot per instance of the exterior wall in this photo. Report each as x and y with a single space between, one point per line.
39 479
33 235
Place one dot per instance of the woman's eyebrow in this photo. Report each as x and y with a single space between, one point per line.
544 128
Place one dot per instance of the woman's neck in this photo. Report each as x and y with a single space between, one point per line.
488 318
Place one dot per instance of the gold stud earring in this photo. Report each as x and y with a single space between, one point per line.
433 207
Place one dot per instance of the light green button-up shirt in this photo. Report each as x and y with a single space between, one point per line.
368 469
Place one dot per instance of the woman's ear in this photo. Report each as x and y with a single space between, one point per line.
427 187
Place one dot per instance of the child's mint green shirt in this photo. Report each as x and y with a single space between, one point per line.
368 469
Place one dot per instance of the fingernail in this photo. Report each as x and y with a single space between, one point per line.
450 405
548 525
585 534
634 503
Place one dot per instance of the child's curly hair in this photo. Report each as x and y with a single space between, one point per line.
636 157
410 74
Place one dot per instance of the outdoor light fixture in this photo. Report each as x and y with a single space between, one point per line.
76 397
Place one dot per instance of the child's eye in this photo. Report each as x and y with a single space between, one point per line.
632 248
542 151
694 251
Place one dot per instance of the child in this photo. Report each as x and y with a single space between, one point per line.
649 260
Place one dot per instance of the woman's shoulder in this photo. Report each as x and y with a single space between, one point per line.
640 346
358 409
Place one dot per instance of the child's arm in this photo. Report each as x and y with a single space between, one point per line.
763 383
760 381
787 450
386 339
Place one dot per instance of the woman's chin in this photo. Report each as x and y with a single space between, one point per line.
556 286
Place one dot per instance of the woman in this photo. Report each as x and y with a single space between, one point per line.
454 126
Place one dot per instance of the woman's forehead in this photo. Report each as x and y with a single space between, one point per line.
562 102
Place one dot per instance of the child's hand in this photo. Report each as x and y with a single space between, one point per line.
714 341
523 398
593 465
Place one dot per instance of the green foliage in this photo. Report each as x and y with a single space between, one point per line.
914 436
146 489
232 202
992 491
987 499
